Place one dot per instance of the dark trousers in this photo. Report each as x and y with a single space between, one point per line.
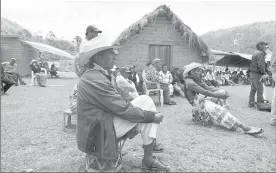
256 86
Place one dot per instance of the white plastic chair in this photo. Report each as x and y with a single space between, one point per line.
34 76
147 91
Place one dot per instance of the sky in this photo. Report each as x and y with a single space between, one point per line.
68 18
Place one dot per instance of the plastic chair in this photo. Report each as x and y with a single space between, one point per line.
67 114
33 78
147 91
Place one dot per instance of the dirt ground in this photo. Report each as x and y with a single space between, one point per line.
32 138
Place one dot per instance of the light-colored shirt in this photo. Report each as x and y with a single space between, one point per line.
8 68
273 60
127 85
166 77
209 76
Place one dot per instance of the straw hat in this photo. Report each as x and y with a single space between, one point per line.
92 47
190 67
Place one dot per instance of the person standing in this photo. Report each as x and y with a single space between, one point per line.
91 32
257 73
273 102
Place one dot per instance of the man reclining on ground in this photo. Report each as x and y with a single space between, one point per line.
104 116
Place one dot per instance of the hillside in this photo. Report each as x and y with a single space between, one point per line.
11 28
241 38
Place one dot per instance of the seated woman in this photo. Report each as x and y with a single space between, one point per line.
53 71
104 116
38 72
206 107
152 74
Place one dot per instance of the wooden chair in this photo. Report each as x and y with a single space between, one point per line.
67 114
33 78
158 89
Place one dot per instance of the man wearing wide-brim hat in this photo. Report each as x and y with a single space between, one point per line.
104 116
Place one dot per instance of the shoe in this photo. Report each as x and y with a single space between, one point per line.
23 83
254 131
252 105
16 84
155 165
170 103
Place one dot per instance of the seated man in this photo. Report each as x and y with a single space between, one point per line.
152 74
177 85
210 76
6 81
10 70
53 71
206 108
136 78
123 82
167 78
104 116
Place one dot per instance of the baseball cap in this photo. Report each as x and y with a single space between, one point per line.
92 28
261 43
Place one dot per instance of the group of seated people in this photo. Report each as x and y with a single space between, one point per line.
109 107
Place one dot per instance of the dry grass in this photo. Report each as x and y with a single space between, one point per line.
31 135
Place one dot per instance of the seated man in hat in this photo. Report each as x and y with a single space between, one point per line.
10 70
205 101
104 116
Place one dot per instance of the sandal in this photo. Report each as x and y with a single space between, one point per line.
155 165
254 131
170 103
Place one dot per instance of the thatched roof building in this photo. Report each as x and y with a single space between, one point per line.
160 34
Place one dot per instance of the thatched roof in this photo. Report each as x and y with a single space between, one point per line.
163 10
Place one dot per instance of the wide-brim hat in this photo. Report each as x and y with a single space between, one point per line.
190 67
94 46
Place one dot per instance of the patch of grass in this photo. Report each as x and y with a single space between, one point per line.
31 135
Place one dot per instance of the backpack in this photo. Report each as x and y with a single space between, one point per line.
264 106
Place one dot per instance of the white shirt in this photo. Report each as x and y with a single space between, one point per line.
127 85
8 68
166 78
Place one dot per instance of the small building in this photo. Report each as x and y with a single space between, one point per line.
25 51
160 34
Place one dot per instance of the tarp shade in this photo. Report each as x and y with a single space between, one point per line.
234 61
47 48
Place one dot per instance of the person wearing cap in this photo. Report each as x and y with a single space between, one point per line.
205 102
152 75
104 116
258 73
273 102
91 32
10 69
